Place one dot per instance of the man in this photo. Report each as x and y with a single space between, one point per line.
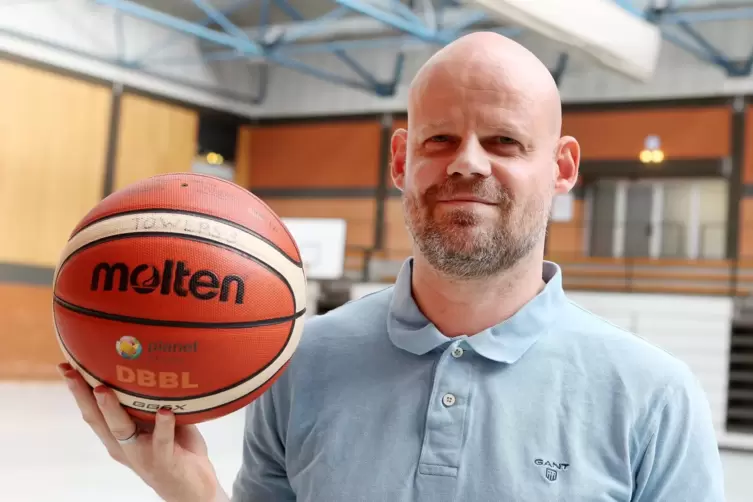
473 378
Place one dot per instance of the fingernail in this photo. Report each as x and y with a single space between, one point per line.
99 395
62 368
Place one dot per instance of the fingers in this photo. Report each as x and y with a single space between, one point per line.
163 437
90 412
118 421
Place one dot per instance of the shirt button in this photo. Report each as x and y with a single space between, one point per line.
448 400
457 352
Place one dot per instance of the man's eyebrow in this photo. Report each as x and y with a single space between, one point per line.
434 126
493 123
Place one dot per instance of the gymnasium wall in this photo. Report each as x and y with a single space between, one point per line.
154 137
59 148
318 169
52 156
746 204
610 137
398 241
331 166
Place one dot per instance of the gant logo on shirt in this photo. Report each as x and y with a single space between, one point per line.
551 469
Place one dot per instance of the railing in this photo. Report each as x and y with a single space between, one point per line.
672 259
657 275
664 239
582 273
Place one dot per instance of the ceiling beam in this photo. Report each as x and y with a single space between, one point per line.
325 29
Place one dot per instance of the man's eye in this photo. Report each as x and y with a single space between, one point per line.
505 140
439 139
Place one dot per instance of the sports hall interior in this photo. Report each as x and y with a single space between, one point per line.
296 101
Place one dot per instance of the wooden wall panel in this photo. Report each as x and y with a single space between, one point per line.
357 212
702 132
398 242
30 350
343 154
565 238
243 159
397 239
53 141
745 233
154 138
619 135
747 167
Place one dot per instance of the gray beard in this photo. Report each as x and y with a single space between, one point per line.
485 254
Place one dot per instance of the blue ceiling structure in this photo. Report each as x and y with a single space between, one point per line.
223 40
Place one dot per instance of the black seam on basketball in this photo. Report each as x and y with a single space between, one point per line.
176 399
202 215
145 321
195 238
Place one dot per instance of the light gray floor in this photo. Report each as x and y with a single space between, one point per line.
47 454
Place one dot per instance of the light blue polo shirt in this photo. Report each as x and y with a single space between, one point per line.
554 404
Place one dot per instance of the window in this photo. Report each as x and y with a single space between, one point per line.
673 218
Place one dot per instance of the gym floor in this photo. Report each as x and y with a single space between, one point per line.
48 454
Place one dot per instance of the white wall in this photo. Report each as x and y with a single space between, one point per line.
80 35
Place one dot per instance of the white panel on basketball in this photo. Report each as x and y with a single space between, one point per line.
221 233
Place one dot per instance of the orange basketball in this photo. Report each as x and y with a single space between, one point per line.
181 291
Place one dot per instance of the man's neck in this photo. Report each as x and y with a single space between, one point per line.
466 307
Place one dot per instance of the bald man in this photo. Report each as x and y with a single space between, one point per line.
473 378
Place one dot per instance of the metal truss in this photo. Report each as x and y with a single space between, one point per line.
434 23
678 27
353 25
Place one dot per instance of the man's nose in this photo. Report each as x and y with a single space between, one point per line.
471 159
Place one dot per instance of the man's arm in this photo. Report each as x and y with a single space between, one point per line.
681 459
262 477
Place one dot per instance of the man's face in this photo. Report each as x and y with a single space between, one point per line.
479 174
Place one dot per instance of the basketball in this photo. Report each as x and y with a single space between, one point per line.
180 291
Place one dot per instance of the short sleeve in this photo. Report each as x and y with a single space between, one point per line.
681 460
262 477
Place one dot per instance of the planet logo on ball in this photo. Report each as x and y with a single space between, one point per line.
128 347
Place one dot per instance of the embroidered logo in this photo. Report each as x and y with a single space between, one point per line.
551 469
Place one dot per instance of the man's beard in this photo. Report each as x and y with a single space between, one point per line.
460 243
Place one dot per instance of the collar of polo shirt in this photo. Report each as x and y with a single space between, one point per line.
506 342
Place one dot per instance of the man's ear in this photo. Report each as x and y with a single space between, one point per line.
399 148
568 163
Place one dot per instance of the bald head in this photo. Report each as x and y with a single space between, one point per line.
482 157
491 62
